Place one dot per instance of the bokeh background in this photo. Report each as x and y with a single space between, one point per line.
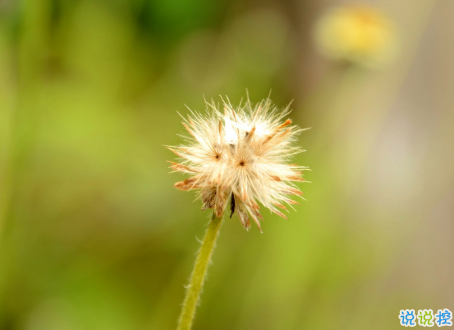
93 234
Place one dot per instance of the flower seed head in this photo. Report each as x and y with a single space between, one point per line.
240 156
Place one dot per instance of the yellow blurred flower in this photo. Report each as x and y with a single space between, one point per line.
356 34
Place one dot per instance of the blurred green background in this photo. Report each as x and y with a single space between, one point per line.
94 236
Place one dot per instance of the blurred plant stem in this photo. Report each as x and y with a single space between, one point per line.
34 31
32 51
199 274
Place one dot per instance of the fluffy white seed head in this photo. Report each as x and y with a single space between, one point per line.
240 156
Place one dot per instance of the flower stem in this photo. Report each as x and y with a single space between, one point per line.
199 274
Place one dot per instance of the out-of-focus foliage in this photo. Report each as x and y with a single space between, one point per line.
93 234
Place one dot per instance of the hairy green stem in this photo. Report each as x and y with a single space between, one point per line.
198 275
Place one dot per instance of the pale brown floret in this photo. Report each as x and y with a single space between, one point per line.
188 184
182 168
188 129
295 178
286 123
291 201
279 205
294 191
